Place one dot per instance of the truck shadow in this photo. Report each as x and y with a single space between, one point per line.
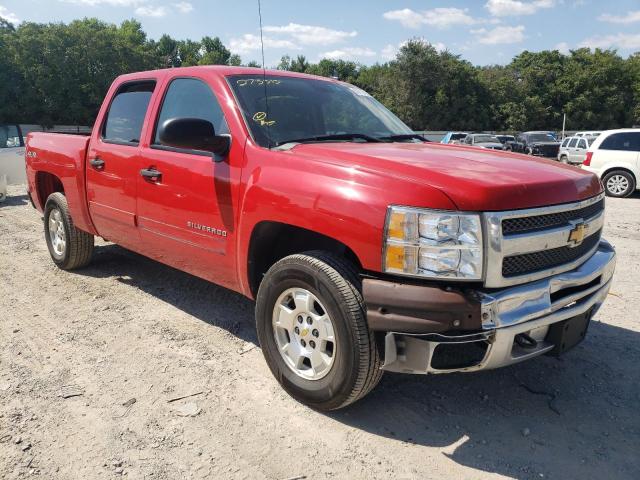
568 418
576 417
206 301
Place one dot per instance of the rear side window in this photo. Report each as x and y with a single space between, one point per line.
126 113
191 98
573 142
627 141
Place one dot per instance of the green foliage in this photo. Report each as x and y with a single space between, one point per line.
59 73
215 53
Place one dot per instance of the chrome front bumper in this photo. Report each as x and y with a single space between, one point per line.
530 308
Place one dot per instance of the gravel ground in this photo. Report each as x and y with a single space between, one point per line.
90 361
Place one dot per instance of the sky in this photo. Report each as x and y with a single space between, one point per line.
368 31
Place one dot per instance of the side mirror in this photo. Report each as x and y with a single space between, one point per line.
194 134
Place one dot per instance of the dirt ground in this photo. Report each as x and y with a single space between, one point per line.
77 348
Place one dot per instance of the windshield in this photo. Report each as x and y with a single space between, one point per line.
304 108
541 137
485 139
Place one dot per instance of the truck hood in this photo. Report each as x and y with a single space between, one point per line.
475 179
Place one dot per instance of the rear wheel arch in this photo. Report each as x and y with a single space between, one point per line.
46 184
620 169
631 180
271 241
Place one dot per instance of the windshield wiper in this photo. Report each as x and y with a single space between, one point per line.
327 138
404 136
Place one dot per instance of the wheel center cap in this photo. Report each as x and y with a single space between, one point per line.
304 332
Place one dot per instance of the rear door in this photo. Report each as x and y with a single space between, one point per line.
572 149
112 163
185 214
581 150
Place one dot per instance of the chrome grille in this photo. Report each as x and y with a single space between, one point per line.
540 222
531 244
537 261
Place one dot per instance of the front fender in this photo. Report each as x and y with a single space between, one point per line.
347 204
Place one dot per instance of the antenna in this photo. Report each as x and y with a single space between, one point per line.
264 74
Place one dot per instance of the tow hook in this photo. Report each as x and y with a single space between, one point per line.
524 340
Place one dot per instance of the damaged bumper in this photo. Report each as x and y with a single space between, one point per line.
431 330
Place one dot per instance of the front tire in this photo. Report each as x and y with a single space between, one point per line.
69 247
619 183
564 159
315 297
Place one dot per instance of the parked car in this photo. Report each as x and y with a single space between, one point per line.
366 250
506 138
573 150
483 140
539 144
615 157
11 158
455 138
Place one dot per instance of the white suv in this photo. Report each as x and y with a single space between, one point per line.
615 157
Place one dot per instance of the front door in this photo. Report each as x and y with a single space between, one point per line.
185 211
112 164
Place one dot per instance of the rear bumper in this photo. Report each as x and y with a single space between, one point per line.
417 320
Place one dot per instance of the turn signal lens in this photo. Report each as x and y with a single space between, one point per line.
587 160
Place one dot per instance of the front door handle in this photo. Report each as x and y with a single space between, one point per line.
97 163
151 174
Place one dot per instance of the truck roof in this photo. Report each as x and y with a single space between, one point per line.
216 70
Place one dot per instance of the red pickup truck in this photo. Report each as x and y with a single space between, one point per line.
365 247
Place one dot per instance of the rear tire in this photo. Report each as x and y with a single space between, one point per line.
326 289
619 183
69 247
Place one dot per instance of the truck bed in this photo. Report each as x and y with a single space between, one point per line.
62 155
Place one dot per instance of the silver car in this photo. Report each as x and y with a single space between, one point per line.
573 150
484 140
12 169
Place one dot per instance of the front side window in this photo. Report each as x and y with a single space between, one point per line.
191 98
281 109
9 136
629 141
565 142
126 113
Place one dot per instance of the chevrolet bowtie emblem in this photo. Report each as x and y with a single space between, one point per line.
576 236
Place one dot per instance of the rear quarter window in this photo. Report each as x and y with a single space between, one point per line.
625 141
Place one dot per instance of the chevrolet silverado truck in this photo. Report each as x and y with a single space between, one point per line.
365 248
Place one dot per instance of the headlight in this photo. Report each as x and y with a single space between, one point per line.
433 244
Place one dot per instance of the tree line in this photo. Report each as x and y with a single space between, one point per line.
59 73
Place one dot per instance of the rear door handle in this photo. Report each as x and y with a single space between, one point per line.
97 163
151 174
